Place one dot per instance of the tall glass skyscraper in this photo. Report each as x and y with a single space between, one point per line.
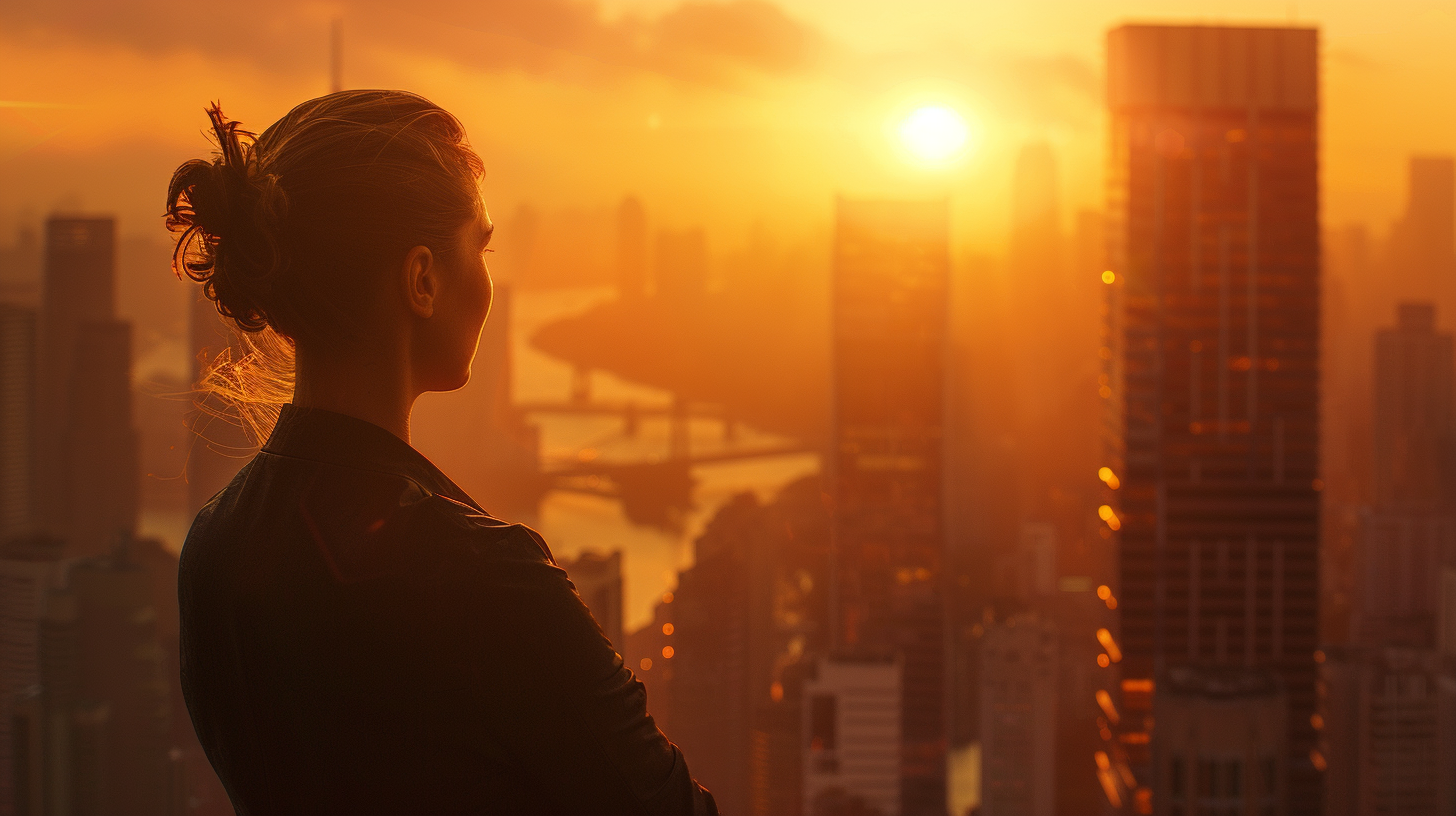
1213 382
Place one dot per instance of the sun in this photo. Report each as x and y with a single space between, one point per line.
935 134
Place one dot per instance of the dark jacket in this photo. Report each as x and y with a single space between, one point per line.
358 636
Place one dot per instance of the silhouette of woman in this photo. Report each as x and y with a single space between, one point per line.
358 635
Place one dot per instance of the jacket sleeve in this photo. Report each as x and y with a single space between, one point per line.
568 710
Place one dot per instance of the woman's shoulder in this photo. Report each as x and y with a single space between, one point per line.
371 525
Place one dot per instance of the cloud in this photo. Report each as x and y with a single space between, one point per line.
696 40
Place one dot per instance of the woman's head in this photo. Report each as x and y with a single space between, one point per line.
355 214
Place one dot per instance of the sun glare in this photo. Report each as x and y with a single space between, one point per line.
935 134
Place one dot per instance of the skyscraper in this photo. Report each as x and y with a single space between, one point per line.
852 728
889 312
1422 252
30 568
1018 699
78 287
1213 375
17 417
101 442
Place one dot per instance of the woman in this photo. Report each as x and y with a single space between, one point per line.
358 635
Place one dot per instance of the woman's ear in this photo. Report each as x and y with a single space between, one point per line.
421 281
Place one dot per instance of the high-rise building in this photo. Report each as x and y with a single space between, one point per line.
1389 714
889 303
104 694
1221 739
1390 717
101 441
598 580
1018 699
1414 423
1213 375
78 288
30 568
1422 251
17 417
746 618
851 725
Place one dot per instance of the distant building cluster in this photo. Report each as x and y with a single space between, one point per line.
91 715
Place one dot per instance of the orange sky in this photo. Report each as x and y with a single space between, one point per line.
719 114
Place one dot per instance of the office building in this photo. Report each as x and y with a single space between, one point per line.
31 567
1018 700
1415 414
747 617
889 303
852 737
104 729
1221 742
1390 720
17 417
101 441
77 288
1213 370
1421 256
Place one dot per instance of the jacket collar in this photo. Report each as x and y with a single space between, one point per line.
339 439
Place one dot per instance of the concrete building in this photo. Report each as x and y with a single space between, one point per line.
104 704
1213 370
1221 741
17 417
30 569
1018 699
852 737
1390 725
889 305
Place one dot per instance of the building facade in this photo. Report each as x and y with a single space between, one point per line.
852 709
1018 698
1213 361
889 302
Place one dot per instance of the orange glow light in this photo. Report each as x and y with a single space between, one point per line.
646 663
1104 702
1108 276
1108 477
1106 514
1105 638
1103 661
667 628
667 597
667 652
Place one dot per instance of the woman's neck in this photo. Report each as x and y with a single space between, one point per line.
375 389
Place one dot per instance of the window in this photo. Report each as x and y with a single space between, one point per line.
822 713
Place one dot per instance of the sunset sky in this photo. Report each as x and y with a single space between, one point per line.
720 114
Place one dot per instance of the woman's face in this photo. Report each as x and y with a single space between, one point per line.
460 309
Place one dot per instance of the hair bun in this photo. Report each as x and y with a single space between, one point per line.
228 212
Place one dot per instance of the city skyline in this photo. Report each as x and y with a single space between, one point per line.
1099 453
